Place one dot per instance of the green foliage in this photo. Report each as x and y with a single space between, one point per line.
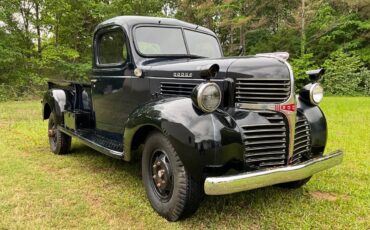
300 66
61 62
283 40
51 39
346 75
332 29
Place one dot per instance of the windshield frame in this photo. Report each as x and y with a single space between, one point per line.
187 55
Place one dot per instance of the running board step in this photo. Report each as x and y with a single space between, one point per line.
104 145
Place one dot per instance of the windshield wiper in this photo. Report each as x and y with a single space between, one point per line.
195 56
179 56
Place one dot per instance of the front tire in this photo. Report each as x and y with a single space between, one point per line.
170 188
294 184
59 142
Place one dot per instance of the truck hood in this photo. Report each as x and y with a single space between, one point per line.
235 67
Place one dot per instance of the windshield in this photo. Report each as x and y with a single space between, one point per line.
165 41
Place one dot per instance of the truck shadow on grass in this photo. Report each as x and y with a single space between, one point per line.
99 161
252 205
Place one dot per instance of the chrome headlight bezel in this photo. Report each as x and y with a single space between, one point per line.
198 96
314 87
307 93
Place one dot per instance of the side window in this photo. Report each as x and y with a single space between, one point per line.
112 48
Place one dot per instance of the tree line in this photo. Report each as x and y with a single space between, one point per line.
51 39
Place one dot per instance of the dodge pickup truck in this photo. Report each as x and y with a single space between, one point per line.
162 92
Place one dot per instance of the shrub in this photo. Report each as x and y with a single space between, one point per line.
345 75
300 66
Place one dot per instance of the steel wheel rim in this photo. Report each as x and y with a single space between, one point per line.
161 175
52 133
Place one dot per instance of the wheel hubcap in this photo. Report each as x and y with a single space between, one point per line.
162 174
51 132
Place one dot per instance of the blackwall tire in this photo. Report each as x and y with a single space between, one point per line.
294 184
59 142
177 195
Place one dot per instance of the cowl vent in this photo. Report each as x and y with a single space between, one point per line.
177 89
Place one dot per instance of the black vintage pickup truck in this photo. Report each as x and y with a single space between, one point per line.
161 91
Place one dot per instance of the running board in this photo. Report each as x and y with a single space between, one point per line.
92 144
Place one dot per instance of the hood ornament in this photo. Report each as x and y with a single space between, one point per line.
282 55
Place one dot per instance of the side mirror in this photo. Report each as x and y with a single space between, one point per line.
315 75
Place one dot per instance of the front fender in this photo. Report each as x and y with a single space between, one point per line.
317 121
200 139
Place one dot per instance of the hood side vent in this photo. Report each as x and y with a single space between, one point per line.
258 91
177 89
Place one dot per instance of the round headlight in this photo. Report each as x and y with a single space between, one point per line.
316 93
207 96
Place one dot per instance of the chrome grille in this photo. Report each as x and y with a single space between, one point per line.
257 91
177 89
302 140
266 144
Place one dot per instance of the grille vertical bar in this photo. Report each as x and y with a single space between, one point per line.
266 144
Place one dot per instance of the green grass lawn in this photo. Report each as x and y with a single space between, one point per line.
87 190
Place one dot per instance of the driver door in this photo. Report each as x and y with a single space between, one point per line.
111 79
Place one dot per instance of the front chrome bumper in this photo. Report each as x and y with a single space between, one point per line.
257 179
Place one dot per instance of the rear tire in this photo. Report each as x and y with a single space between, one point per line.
60 143
170 188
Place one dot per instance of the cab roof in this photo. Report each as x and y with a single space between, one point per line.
128 22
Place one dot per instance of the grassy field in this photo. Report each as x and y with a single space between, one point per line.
87 190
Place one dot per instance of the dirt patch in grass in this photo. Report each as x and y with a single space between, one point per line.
323 196
49 168
93 200
4 124
327 196
254 227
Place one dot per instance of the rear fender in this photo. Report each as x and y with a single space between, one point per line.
56 100
200 139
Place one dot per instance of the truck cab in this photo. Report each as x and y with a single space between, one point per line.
162 92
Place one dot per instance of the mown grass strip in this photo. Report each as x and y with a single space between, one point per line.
87 190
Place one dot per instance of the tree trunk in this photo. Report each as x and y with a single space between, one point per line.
303 34
56 30
27 38
38 30
242 39
231 41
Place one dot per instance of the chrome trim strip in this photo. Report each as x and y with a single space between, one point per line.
257 179
108 77
290 115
